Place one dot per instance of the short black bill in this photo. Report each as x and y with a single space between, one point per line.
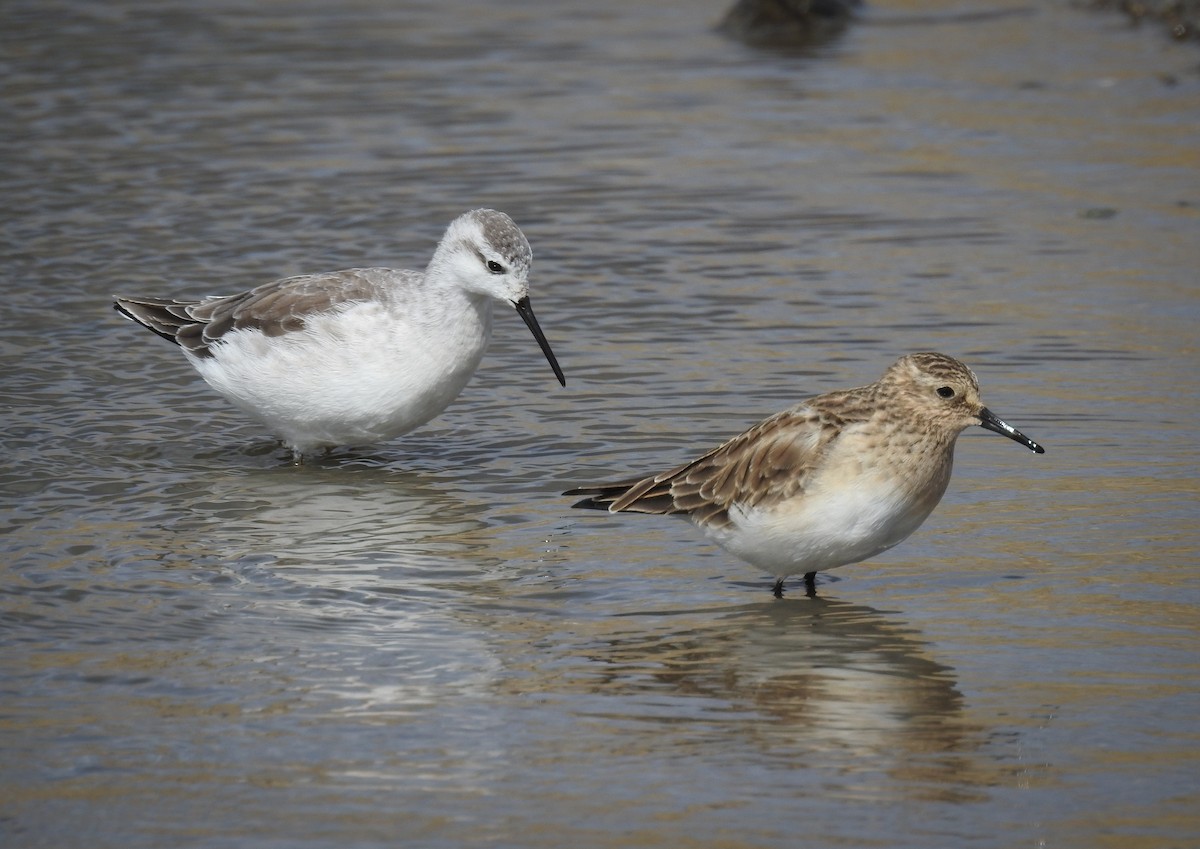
992 422
525 310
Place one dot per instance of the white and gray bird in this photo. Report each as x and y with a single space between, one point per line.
359 356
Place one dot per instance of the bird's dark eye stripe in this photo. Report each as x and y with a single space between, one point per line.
495 267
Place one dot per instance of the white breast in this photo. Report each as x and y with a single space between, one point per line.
830 526
354 376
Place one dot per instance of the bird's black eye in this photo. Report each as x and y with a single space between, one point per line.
945 392
495 267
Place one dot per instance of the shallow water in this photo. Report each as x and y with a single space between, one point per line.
421 643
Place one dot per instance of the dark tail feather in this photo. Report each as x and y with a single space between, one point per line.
645 495
588 503
160 315
600 497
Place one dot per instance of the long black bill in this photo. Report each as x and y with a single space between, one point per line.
994 423
525 310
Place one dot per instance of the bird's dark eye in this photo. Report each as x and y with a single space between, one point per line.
945 392
495 267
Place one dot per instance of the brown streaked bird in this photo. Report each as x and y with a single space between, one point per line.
358 356
833 480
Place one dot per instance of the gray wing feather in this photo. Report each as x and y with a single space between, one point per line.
274 308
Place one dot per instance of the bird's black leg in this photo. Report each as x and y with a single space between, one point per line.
778 589
810 584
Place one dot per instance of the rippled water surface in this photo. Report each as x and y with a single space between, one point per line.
420 643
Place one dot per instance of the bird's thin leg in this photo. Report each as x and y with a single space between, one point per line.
777 590
810 584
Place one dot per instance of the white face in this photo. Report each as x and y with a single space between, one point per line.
502 277
486 253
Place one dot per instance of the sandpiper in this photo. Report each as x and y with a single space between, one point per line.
830 481
358 356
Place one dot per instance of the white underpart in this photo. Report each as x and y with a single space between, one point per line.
828 527
355 376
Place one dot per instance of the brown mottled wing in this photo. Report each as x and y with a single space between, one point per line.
766 464
162 315
274 308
